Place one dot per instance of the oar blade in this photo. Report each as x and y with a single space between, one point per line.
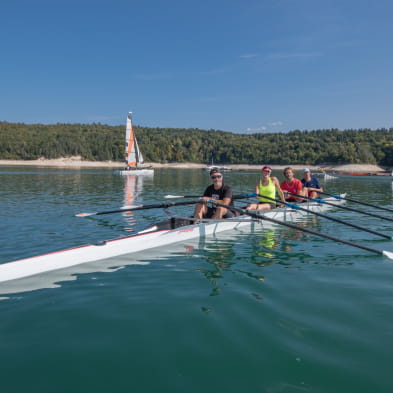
129 207
388 254
174 196
84 214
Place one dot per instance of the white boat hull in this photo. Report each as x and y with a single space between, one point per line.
148 239
367 177
220 168
137 172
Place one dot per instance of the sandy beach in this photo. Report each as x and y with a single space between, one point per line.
76 162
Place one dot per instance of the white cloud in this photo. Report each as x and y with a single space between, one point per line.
275 124
248 56
268 127
214 71
262 128
155 76
293 55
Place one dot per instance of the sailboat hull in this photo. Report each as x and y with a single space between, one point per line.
138 172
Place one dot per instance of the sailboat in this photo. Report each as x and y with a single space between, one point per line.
133 156
220 168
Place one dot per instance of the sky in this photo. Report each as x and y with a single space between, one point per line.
243 66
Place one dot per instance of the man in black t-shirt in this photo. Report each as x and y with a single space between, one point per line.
218 191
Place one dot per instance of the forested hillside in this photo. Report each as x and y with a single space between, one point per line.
100 142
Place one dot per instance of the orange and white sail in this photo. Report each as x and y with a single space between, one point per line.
133 155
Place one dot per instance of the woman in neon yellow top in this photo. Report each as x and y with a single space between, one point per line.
268 187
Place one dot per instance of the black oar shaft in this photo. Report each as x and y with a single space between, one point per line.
158 205
146 207
359 202
343 207
241 196
141 207
297 207
299 228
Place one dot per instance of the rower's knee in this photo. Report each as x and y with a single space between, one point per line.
200 210
220 212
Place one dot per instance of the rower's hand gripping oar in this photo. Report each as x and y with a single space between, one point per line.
355 201
297 207
139 207
299 228
341 207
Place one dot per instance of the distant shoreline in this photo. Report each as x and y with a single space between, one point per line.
77 163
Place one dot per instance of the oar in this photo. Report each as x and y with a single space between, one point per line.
341 207
299 228
359 202
198 196
138 207
181 196
297 207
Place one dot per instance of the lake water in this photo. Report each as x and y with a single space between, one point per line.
276 311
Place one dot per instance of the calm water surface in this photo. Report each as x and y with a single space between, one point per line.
277 311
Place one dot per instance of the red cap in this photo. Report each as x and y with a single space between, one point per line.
267 168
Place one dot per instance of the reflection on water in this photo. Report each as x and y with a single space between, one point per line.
265 247
219 255
215 257
54 279
133 188
240 254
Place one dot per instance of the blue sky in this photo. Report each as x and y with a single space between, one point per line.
240 66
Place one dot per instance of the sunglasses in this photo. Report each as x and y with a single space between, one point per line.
216 176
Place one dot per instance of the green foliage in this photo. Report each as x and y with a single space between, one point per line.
99 142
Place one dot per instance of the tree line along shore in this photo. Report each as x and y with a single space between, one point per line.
169 146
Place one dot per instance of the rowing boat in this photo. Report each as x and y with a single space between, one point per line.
173 230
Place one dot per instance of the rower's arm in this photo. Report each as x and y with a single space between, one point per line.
278 189
226 201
